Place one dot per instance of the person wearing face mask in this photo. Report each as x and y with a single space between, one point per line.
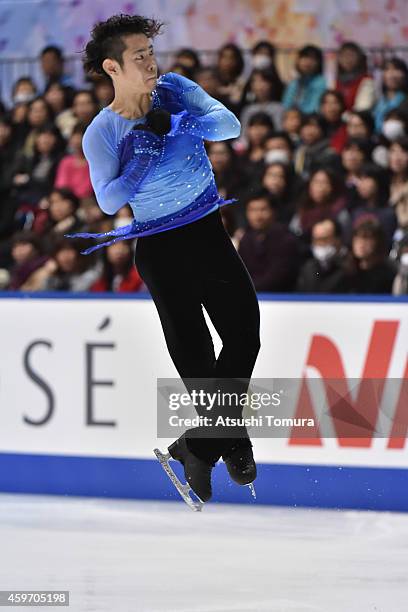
24 90
400 285
395 89
324 272
263 59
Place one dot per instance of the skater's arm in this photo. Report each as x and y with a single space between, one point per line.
113 185
216 121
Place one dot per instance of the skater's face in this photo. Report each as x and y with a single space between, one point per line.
138 73
259 214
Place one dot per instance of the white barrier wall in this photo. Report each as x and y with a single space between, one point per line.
78 380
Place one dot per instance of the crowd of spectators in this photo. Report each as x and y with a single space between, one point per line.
321 174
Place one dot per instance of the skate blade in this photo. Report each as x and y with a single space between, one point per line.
183 489
252 489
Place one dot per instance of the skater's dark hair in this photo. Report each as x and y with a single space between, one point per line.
107 39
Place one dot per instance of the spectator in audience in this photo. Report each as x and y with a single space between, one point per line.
259 125
355 154
268 250
395 127
231 179
66 269
372 191
368 269
395 89
8 154
400 285
95 221
263 59
282 187
291 123
305 91
34 175
24 90
188 58
398 165
207 78
278 148
261 97
401 233
52 65
314 150
59 217
60 100
323 198
27 254
332 108
103 90
360 124
183 70
230 66
324 272
73 169
39 114
119 273
85 106
353 80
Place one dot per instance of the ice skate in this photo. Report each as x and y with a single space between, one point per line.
241 465
196 471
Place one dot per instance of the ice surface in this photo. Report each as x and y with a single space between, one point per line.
132 556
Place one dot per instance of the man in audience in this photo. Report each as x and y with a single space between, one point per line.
324 272
52 65
268 249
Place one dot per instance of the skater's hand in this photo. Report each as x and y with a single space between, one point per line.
157 121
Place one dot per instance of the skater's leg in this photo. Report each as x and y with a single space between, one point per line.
230 299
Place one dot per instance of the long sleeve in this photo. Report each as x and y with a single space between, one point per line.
216 121
114 184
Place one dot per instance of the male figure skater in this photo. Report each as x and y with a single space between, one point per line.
146 149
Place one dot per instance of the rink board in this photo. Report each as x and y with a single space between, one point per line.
78 396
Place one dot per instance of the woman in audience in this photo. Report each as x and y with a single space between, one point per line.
119 273
395 89
332 107
282 187
230 66
259 125
59 98
355 154
292 120
368 269
59 217
305 91
39 114
66 269
34 175
73 169
359 124
398 164
315 150
27 254
323 199
261 97
353 80
372 194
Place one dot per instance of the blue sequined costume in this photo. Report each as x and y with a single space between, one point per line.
167 180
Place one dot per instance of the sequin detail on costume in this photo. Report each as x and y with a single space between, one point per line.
194 211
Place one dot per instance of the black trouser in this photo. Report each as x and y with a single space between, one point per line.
193 266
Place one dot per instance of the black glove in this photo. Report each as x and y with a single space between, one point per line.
157 121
